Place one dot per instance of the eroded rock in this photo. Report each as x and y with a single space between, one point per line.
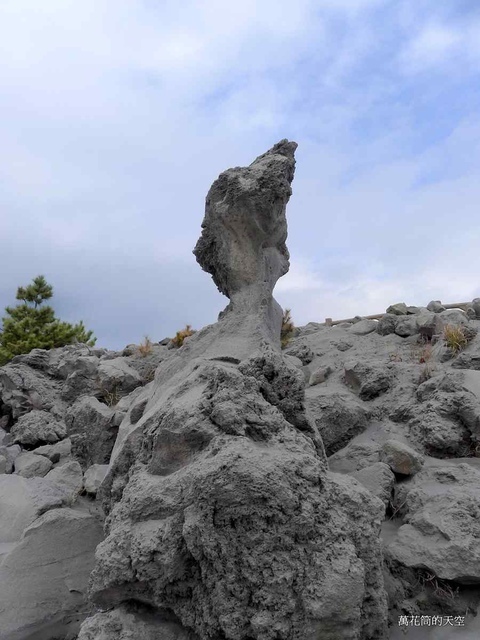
44 578
37 428
222 476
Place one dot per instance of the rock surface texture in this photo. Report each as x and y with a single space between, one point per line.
247 493
222 515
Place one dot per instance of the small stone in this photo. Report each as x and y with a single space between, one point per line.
378 478
28 465
68 479
320 375
94 477
55 452
401 458
364 327
398 309
38 428
368 381
386 325
406 327
476 306
435 306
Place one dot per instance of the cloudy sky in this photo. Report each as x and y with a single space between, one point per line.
116 117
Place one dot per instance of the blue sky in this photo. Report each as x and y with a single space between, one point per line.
116 117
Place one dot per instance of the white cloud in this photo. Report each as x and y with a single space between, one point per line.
442 46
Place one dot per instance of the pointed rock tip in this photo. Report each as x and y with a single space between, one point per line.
283 148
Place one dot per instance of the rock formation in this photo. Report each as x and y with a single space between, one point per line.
250 493
222 516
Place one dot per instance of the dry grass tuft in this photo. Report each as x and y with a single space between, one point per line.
441 588
181 335
145 347
426 373
286 332
455 337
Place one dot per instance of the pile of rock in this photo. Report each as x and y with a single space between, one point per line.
56 439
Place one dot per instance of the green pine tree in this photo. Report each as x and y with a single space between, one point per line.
33 326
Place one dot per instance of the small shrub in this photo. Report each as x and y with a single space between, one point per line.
425 354
180 336
286 332
426 373
456 337
149 375
441 588
108 395
145 347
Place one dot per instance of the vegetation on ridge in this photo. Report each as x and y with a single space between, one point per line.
33 326
180 336
286 333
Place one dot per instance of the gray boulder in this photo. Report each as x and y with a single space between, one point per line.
476 306
398 309
4 465
364 327
68 479
429 323
55 452
133 623
116 376
320 375
406 326
369 381
92 430
45 577
22 500
10 454
401 458
435 306
378 479
301 351
29 465
442 523
412 309
38 428
79 373
387 323
455 317
93 477
23 389
357 455
455 397
338 416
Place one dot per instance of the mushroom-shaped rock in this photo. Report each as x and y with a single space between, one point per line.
221 475
243 241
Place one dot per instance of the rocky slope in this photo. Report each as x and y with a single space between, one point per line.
232 490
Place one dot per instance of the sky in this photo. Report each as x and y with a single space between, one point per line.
116 117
